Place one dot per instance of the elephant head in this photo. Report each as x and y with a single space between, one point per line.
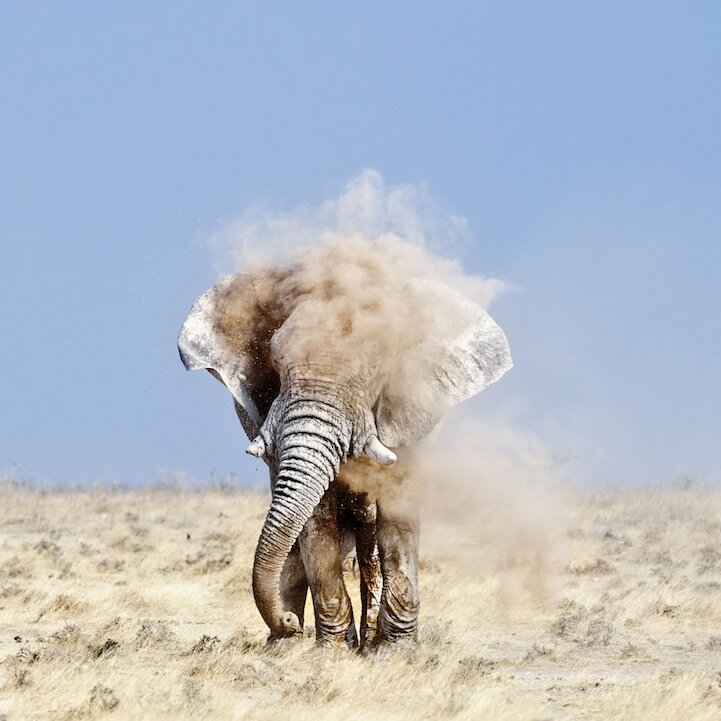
330 361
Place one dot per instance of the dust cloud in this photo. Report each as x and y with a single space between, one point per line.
495 504
338 285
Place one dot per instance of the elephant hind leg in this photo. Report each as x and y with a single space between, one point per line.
357 520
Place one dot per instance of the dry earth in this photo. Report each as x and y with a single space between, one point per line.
137 605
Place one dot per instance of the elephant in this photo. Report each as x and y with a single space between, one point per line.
339 366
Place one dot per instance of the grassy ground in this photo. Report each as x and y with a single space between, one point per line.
137 605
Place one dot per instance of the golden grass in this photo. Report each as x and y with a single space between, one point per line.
137 605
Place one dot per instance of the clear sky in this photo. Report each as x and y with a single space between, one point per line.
581 141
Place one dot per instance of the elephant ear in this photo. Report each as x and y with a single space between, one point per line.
228 332
455 351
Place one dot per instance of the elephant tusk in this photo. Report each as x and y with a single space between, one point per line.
376 451
256 448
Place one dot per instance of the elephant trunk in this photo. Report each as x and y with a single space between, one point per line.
310 451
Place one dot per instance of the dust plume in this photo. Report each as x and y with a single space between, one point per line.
347 269
345 286
495 504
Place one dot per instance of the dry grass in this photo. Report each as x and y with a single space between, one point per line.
137 605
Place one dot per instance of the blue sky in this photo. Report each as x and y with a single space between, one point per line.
581 142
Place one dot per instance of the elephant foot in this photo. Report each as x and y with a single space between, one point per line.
347 640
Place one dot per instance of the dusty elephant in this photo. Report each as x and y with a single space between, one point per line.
331 363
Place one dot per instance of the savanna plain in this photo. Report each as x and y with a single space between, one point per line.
136 604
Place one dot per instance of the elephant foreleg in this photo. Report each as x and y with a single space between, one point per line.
319 544
398 547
